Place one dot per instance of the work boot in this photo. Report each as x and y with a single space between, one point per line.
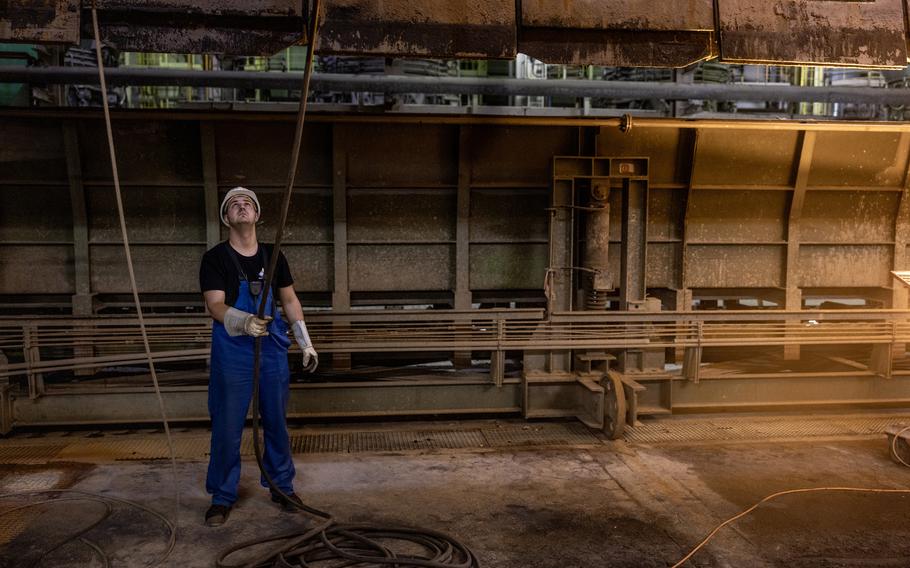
217 515
290 505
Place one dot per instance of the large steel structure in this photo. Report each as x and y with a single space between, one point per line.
602 268
584 259
866 33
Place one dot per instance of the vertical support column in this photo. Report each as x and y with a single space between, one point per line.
899 297
633 258
794 296
634 243
341 294
597 245
32 356
462 359
683 299
561 261
82 300
210 184
901 240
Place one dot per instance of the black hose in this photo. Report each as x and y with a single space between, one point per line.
352 545
80 535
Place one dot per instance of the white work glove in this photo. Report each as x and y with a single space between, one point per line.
310 358
237 322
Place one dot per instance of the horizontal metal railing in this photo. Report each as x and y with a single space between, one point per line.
59 344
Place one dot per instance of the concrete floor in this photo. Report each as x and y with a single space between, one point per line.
606 504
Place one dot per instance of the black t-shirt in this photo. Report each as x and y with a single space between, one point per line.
218 271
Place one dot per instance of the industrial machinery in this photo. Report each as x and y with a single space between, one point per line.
600 268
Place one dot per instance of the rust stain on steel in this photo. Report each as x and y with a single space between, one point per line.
42 21
232 41
642 15
617 48
211 7
215 26
832 32
429 28
622 32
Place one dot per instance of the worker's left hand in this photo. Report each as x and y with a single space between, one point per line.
310 359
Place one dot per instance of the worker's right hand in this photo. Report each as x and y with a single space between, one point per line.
237 322
256 327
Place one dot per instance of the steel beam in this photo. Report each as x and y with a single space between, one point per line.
392 84
210 184
341 399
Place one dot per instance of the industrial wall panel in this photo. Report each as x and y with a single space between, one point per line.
623 14
309 215
36 269
159 269
508 266
663 268
517 155
148 151
740 266
849 216
744 157
668 150
876 159
35 214
32 150
399 268
162 214
401 215
258 153
839 32
400 155
831 266
738 216
311 266
666 212
509 214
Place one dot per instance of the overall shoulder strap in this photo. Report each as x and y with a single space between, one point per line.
233 254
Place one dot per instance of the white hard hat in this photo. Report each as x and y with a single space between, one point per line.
236 192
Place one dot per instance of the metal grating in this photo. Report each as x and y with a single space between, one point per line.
12 525
540 434
742 429
140 446
396 441
29 454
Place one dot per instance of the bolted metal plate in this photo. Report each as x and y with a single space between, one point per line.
830 32
756 429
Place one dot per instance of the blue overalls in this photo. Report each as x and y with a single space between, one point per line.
230 391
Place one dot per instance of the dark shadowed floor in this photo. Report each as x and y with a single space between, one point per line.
551 503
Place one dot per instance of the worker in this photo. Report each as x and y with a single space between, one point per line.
232 278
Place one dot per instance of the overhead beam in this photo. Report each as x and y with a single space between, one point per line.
457 85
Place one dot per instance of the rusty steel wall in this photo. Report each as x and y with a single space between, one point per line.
858 33
411 210
781 214
400 184
677 33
